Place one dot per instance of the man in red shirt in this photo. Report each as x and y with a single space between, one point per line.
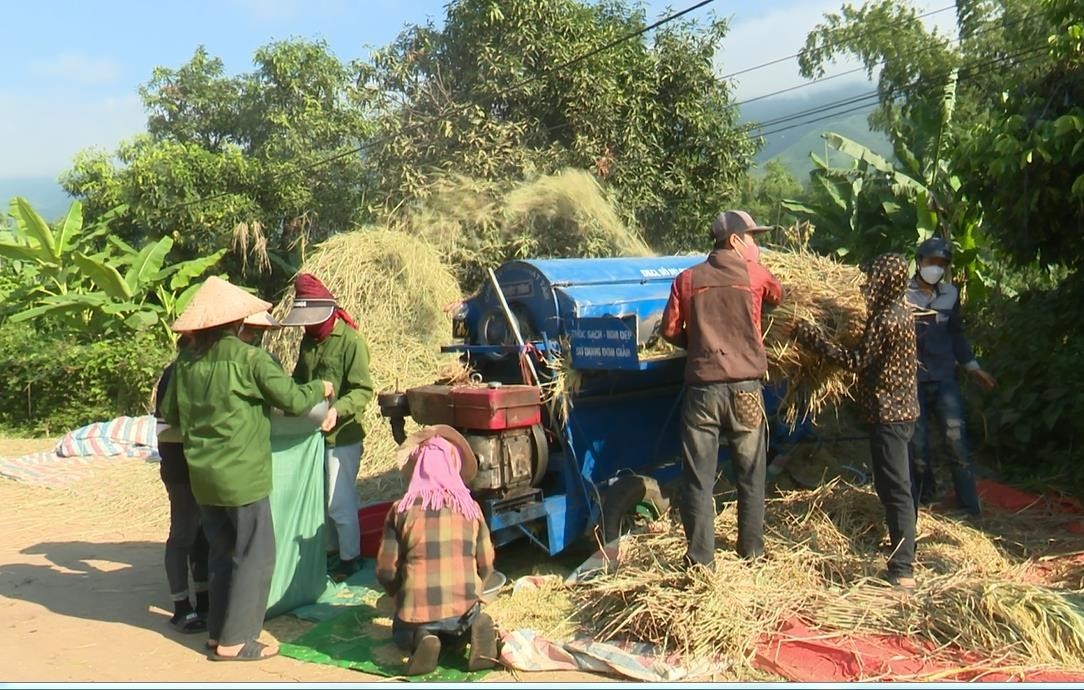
714 313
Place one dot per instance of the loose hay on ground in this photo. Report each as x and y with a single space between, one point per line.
546 609
825 548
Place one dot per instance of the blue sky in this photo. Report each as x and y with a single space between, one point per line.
71 71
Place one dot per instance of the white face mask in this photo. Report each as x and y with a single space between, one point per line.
931 274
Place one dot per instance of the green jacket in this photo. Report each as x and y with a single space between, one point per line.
343 359
221 401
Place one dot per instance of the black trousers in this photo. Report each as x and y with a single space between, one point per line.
186 545
242 543
453 632
736 412
892 480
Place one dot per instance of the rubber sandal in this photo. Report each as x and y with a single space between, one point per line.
901 582
192 622
252 651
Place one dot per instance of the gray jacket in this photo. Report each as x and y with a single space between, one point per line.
940 336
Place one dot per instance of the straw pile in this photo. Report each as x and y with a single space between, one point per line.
824 552
823 291
396 287
479 224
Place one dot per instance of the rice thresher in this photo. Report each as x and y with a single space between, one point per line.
573 423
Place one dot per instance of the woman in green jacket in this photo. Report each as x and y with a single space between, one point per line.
220 396
333 349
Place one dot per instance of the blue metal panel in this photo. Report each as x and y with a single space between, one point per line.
603 343
545 295
565 272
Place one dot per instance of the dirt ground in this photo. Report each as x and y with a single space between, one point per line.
83 594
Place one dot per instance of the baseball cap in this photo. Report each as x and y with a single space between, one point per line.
730 223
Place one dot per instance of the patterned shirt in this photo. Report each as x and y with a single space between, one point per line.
434 562
885 358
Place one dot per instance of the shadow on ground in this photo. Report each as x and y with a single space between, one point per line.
113 582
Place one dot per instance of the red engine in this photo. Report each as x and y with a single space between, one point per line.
503 424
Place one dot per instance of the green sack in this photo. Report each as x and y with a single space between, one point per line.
297 509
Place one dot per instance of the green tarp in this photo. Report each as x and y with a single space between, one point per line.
297 509
360 638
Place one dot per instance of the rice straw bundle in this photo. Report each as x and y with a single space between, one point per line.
397 288
479 223
823 291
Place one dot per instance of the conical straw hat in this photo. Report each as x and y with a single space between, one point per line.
217 303
262 320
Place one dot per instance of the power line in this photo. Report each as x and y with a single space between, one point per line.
876 30
467 104
876 93
929 49
965 72
937 80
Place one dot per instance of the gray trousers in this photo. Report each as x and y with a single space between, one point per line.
242 543
735 411
342 464
186 544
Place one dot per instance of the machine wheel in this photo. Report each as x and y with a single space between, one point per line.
542 454
619 505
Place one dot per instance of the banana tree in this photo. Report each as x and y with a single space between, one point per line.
105 286
874 205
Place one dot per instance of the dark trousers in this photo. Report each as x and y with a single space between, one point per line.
453 632
735 411
892 479
186 545
942 400
242 543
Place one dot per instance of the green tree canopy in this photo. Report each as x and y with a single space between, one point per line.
225 161
485 96
1009 142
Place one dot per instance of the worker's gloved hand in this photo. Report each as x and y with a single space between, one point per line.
329 389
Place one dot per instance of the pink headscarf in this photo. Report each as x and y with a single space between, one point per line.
437 482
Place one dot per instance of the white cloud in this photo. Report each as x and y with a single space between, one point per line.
781 32
40 134
79 68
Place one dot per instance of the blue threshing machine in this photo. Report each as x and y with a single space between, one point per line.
552 469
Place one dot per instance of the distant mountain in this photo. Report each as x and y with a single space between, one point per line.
793 146
44 193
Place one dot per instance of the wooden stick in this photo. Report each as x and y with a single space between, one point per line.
513 325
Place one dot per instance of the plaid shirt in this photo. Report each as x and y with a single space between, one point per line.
434 562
